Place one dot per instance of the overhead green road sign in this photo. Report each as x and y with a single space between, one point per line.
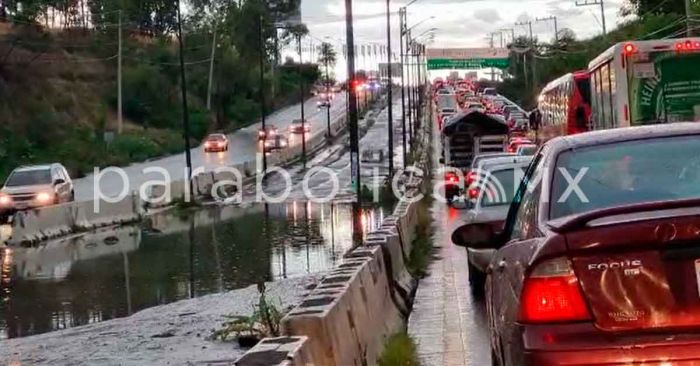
473 63
467 58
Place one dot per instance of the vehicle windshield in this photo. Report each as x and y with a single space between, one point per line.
626 173
216 138
29 178
499 189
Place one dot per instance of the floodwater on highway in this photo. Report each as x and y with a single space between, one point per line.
114 273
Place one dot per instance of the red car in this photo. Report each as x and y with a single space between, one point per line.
599 260
216 142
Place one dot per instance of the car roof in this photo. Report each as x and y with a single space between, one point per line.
504 160
27 168
507 166
605 137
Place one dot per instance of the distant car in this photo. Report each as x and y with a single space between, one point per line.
516 142
35 186
490 92
526 150
478 160
276 142
491 195
299 127
323 103
474 106
267 132
597 262
216 142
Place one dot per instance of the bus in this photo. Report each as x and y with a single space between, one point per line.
565 106
646 82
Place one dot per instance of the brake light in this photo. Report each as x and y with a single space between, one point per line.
451 177
630 49
552 294
471 177
473 193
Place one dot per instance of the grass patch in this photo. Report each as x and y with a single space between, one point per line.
422 252
400 350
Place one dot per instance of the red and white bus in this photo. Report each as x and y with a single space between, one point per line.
645 82
565 106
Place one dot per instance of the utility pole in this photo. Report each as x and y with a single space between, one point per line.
556 26
211 69
185 110
390 95
602 10
120 119
325 47
301 92
402 29
354 135
533 51
261 47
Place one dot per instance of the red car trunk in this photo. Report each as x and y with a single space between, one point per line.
640 271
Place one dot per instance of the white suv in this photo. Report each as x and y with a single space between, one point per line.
36 186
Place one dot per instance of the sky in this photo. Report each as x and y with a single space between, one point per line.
459 23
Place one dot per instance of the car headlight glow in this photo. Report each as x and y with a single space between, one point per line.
44 197
5 200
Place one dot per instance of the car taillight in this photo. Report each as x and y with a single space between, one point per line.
473 193
451 177
552 294
471 177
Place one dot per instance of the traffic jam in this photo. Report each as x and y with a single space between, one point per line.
581 218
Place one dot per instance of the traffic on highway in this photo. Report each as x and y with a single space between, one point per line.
250 183
578 224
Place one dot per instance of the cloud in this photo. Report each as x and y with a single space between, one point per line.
487 15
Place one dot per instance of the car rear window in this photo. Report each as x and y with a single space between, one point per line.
29 178
499 189
626 173
217 138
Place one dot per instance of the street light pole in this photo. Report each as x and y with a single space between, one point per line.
262 90
301 96
402 26
390 95
409 80
354 135
185 110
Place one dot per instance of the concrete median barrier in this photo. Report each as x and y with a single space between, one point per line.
280 351
349 316
108 213
32 226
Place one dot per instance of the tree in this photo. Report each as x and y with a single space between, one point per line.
656 7
328 58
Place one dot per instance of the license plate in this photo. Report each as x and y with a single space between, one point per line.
697 274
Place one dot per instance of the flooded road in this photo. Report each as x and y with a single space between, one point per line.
176 255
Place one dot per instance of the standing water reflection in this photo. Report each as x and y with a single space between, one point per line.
178 255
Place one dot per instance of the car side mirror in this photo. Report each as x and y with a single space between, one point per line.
476 236
58 181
